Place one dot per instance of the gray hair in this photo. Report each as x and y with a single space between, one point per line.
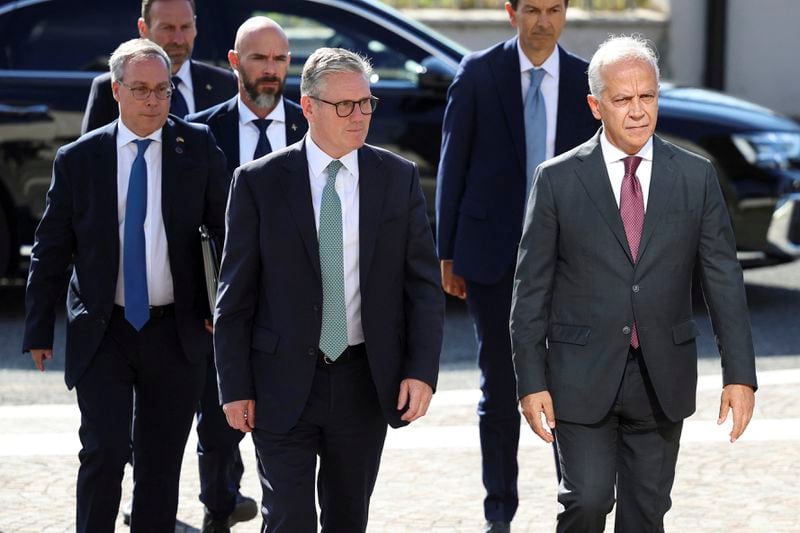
325 61
135 49
619 49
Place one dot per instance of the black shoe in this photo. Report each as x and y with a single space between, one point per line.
246 509
493 526
214 526
126 512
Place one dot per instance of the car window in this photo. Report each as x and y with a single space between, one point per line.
60 36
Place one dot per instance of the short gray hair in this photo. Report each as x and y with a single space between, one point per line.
619 49
327 61
135 49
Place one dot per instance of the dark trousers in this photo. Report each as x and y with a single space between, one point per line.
490 308
635 445
342 424
218 457
152 364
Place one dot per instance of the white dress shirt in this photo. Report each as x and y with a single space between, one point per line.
249 133
549 89
159 276
347 189
613 157
186 87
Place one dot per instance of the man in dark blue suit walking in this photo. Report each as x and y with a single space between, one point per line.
124 207
509 108
253 123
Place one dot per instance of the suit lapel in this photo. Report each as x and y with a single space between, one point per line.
228 140
372 188
171 144
595 180
295 122
297 187
106 165
662 181
509 92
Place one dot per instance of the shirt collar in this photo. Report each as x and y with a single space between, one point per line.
612 154
318 160
126 136
551 64
246 114
185 74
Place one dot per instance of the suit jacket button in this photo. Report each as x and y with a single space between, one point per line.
316 308
626 330
312 351
635 288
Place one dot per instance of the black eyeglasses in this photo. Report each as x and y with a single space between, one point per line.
345 108
140 92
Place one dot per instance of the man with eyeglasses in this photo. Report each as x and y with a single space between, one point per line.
255 122
123 208
329 312
170 24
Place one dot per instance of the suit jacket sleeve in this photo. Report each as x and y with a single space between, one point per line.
217 191
723 287
459 121
101 108
50 258
423 297
237 294
533 287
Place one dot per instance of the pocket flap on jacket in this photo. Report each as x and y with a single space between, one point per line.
264 340
684 332
569 334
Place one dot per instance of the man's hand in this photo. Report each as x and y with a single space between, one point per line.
533 405
416 395
241 415
451 283
740 398
39 356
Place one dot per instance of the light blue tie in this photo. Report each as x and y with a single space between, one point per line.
137 303
535 126
333 337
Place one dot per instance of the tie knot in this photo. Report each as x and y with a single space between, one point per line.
176 81
631 164
262 124
537 75
333 169
141 146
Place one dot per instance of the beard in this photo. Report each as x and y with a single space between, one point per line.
178 53
264 98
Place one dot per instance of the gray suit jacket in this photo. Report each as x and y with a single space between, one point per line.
577 291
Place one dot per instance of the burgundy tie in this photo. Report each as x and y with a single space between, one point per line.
631 209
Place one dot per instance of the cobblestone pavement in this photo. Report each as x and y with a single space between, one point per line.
430 475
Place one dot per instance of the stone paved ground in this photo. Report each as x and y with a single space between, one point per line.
430 476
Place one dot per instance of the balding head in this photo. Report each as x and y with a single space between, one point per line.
260 59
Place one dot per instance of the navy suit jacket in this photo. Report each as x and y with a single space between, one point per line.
269 304
80 226
210 86
481 183
577 290
223 119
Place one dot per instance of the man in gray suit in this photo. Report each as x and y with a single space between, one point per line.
601 322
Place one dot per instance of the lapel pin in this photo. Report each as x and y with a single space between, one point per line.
294 127
208 87
179 148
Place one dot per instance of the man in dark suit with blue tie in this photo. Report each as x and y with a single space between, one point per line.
601 323
250 125
171 25
329 311
509 108
124 207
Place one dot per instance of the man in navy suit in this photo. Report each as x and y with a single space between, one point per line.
509 107
124 207
171 25
329 311
253 123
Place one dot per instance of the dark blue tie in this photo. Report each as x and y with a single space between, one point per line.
263 147
137 302
178 106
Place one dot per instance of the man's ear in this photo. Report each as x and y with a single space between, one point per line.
115 90
144 31
233 59
594 106
307 105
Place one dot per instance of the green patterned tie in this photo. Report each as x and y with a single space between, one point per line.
333 338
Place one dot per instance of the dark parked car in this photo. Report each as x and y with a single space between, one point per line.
51 49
